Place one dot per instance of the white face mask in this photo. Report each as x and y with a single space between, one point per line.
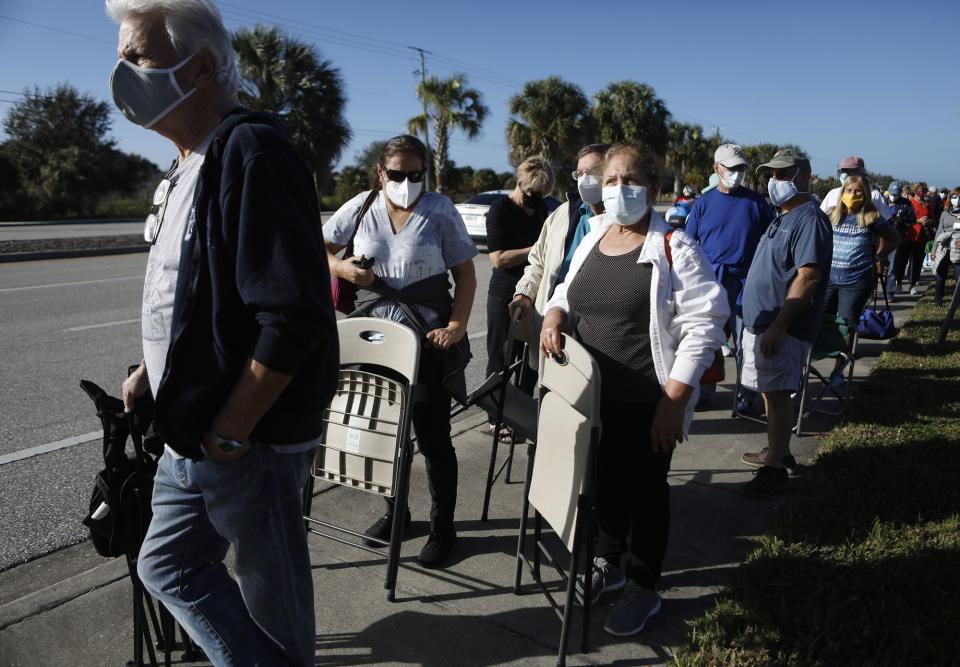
588 186
146 94
732 179
403 194
625 204
782 191
843 177
954 202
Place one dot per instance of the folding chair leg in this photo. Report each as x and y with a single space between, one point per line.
571 589
308 498
537 537
523 519
513 447
399 513
587 586
490 471
798 429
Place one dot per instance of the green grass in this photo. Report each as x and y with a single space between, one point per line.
862 564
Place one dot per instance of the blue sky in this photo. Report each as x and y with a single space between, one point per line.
833 77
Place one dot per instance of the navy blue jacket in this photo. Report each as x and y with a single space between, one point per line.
253 282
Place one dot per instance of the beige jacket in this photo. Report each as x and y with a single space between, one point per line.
540 275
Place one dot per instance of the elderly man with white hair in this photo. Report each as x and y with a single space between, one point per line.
239 341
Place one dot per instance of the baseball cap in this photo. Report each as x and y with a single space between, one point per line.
784 159
689 190
895 188
851 162
676 214
729 155
711 184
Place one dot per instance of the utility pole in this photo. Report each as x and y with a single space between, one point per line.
426 116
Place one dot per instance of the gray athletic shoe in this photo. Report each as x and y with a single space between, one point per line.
605 577
636 606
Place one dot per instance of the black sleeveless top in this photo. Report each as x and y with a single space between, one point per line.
611 297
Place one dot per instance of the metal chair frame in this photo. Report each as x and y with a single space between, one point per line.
404 383
584 530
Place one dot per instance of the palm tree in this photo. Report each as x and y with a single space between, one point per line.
630 111
689 154
282 75
448 105
549 117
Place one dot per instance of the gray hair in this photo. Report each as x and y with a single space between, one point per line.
191 25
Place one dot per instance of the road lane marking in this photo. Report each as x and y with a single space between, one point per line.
77 282
50 447
87 327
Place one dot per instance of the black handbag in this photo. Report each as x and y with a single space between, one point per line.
119 511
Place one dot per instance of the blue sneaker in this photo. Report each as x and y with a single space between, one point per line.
836 379
745 405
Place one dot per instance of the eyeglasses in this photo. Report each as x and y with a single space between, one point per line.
576 174
151 228
398 176
774 226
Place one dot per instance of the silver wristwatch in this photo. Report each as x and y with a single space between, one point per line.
227 445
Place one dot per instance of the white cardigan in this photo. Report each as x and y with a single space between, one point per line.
688 307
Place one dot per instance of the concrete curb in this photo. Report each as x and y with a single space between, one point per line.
62 592
65 254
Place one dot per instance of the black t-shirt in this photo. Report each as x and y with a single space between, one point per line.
509 227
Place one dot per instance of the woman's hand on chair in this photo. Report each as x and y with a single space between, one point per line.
551 334
446 337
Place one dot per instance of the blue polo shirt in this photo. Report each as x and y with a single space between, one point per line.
728 226
583 228
798 238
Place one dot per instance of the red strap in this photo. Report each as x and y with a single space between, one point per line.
666 247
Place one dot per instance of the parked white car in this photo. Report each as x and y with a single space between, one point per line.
474 211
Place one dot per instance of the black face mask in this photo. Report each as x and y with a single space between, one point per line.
531 200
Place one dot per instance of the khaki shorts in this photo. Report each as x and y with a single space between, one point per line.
781 372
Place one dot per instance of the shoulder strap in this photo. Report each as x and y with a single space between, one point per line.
362 212
666 247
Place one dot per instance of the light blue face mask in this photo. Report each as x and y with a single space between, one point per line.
144 94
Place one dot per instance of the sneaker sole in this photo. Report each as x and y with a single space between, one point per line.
630 633
790 467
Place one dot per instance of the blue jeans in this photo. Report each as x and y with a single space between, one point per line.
265 616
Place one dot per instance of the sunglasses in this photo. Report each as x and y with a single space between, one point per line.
151 228
398 176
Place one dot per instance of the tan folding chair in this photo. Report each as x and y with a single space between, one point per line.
561 479
366 442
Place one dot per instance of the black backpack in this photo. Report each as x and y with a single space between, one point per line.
120 511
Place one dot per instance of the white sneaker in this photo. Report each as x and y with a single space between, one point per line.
915 290
727 350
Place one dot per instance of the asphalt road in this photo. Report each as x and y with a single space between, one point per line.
63 321
31 231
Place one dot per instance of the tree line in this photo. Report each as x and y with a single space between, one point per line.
58 158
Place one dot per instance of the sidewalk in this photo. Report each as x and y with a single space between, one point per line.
73 608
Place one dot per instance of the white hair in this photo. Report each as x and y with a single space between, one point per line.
191 25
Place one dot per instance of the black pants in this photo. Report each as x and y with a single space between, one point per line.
431 421
633 497
912 252
943 270
498 328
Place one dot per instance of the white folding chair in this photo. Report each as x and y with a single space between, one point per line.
366 442
561 479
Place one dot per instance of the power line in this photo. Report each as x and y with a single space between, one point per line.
61 31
